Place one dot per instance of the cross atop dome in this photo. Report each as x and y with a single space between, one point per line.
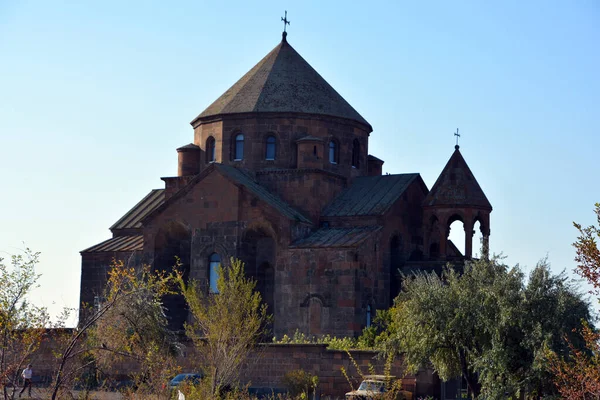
285 22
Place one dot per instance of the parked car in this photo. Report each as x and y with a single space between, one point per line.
374 387
189 377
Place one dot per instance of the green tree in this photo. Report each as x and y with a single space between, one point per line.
486 325
22 325
226 325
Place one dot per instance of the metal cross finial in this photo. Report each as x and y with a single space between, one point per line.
457 136
285 22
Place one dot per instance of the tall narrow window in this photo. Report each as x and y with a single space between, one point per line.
355 153
238 154
368 316
332 152
214 261
270 150
211 154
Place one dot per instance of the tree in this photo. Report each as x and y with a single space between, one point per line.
22 325
588 255
577 374
130 323
485 325
225 326
578 377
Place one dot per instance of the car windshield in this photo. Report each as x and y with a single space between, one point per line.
181 377
372 386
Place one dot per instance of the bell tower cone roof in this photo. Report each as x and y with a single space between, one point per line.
456 186
283 82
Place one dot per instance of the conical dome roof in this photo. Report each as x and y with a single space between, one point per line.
456 186
283 82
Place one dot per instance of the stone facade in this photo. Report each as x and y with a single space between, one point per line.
279 175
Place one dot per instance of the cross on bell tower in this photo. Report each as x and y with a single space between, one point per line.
457 136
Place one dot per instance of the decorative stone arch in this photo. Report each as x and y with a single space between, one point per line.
201 267
210 149
458 215
433 236
356 153
315 306
276 146
368 310
233 143
174 240
483 217
333 153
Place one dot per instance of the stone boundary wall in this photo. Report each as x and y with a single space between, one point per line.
267 366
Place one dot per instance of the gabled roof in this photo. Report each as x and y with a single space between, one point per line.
244 179
456 186
133 218
336 237
119 243
369 195
283 82
241 178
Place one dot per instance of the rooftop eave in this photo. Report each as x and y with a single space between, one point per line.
199 120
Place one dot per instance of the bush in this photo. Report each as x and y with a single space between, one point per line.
300 382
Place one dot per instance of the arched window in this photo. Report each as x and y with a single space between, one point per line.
238 151
355 153
368 316
213 275
333 152
270 150
211 155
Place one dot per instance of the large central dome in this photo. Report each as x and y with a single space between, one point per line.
283 82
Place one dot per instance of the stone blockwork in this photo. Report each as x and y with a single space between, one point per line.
287 129
279 175
307 190
266 367
94 273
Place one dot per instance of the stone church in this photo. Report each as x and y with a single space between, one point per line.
279 175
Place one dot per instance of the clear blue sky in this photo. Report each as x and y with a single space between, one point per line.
95 97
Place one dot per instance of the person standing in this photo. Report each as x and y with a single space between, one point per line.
27 374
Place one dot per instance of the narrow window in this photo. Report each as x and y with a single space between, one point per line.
355 153
332 152
210 150
368 316
214 261
270 151
238 154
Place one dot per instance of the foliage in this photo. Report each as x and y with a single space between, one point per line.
372 338
136 327
577 374
588 254
128 324
226 325
394 388
300 382
22 325
486 325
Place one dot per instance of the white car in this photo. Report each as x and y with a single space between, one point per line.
368 389
374 387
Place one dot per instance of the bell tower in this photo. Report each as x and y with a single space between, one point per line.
455 196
